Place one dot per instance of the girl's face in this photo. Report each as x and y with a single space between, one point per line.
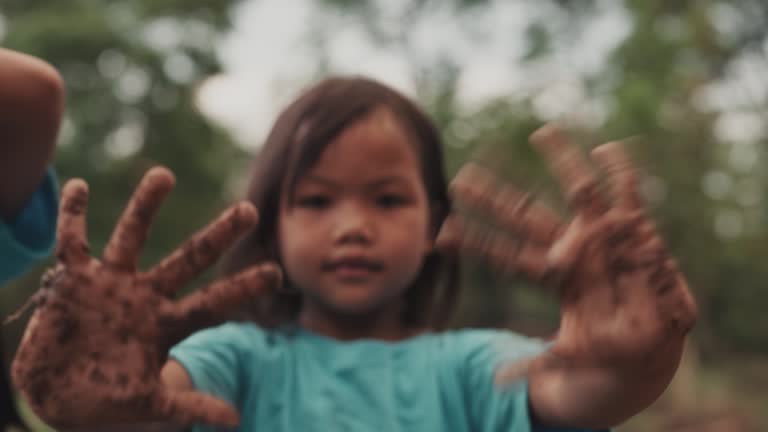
357 232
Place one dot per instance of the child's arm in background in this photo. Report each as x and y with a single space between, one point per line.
31 105
625 307
31 98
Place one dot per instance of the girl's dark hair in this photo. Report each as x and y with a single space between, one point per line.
298 138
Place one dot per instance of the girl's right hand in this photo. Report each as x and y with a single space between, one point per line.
93 350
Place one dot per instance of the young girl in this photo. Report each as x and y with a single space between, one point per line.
352 195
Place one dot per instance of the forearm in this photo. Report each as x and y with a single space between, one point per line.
31 105
597 398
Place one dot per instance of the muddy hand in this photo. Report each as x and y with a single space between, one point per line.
93 349
623 299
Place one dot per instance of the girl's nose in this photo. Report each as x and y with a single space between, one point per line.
354 225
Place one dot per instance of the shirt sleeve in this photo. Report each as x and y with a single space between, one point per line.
29 236
215 359
500 407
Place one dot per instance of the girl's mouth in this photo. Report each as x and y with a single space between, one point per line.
352 268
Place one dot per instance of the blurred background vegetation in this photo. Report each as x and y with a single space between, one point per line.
685 79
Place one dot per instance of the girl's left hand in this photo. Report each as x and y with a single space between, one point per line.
625 306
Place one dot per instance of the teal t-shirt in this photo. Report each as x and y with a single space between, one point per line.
290 379
29 236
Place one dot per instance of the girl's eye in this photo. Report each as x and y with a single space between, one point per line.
313 201
390 200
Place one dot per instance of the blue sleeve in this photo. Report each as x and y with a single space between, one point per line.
220 360
495 407
29 237
215 358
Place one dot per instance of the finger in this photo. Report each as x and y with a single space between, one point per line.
576 177
525 258
680 307
474 183
449 236
508 206
71 240
217 302
613 158
131 231
188 407
565 253
202 249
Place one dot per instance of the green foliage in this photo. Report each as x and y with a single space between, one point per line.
130 68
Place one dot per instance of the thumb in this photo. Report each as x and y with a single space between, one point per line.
187 407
